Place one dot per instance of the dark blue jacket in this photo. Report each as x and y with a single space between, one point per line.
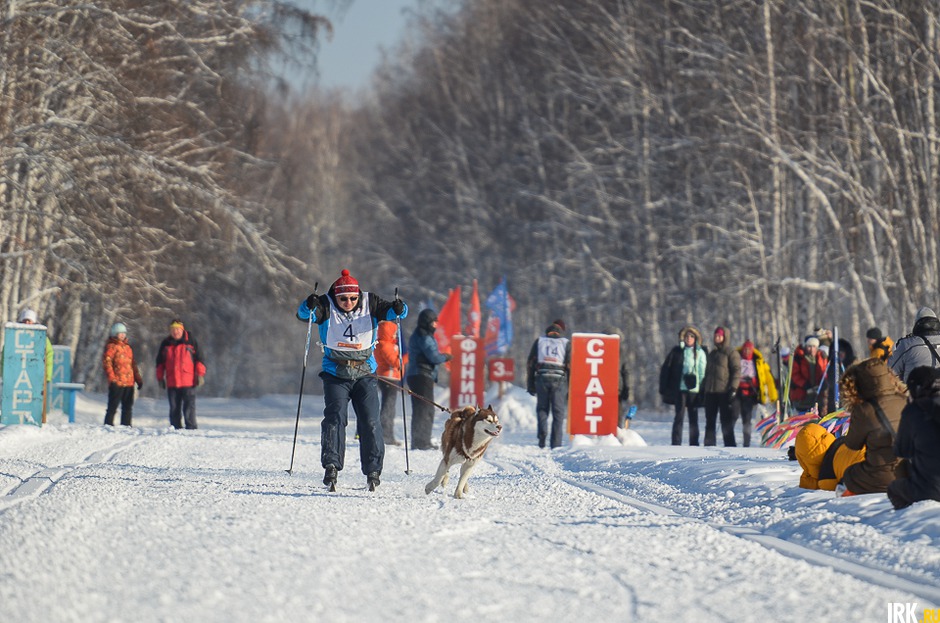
423 353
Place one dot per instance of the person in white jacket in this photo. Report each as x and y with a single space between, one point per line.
920 348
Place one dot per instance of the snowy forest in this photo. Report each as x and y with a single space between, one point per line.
639 164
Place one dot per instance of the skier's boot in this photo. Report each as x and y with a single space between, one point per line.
329 478
373 480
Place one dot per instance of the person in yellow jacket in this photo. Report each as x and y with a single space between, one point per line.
756 386
28 316
879 344
823 458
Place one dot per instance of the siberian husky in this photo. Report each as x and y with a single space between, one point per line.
466 436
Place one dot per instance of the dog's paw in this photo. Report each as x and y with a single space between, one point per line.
458 494
429 487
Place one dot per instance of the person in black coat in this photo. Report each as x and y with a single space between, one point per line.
680 382
917 440
846 359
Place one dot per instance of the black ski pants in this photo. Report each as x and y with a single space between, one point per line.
551 397
182 406
686 403
718 405
389 400
742 406
422 411
364 394
123 396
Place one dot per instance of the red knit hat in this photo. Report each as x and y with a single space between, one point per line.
346 284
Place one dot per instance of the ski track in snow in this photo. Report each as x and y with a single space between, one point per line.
150 524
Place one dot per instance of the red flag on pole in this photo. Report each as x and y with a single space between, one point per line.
448 321
473 314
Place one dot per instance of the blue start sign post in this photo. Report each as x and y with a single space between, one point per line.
24 369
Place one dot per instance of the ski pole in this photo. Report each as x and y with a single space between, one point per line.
836 368
401 381
303 373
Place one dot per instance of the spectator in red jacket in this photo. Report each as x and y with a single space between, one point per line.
180 371
806 387
121 369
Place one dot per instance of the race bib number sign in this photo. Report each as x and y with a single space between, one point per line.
592 389
502 369
466 373
24 372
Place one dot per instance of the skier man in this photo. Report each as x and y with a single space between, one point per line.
348 319
547 370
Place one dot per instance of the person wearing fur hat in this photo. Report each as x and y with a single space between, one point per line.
347 319
918 476
919 348
806 387
180 370
722 377
879 344
757 385
875 399
423 361
547 370
680 381
120 368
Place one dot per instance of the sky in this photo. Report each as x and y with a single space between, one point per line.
149 524
360 31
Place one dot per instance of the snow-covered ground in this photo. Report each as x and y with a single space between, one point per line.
152 524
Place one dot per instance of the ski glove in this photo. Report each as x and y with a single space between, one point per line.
313 304
162 384
200 380
398 306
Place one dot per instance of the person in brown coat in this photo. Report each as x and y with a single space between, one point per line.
875 398
722 377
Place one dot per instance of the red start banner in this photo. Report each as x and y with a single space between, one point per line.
466 372
502 369
593 384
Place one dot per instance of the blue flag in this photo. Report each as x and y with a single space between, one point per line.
498 337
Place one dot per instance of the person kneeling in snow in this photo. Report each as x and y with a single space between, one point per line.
918 439
823 458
